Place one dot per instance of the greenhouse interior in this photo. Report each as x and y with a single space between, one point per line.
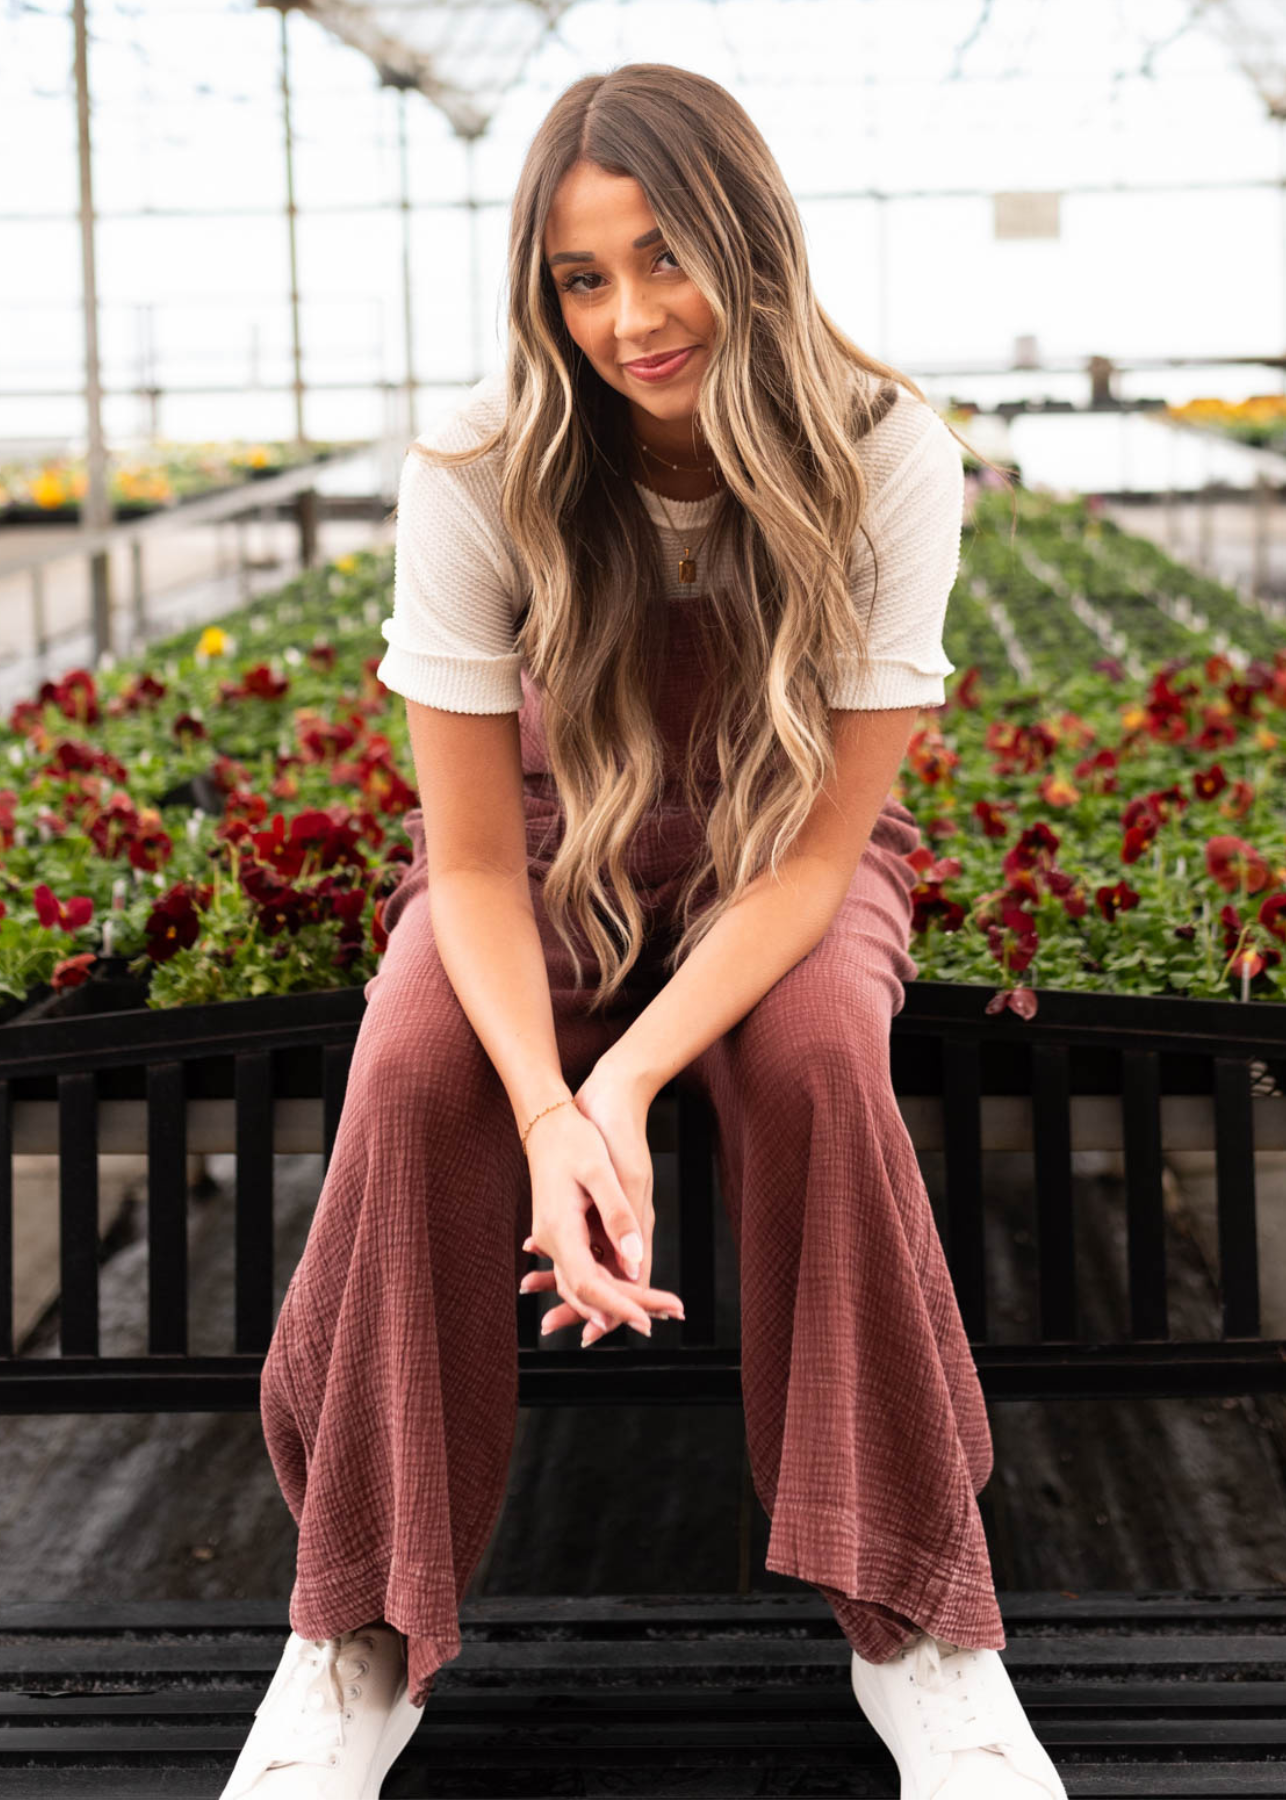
256 255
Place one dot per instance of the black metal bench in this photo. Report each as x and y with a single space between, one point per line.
654 1697
260 1076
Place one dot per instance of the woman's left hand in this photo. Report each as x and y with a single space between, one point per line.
618 1105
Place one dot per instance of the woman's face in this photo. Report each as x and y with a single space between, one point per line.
623 296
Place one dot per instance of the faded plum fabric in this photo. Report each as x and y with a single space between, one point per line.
389 1391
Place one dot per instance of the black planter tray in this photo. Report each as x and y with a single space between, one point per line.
106 1025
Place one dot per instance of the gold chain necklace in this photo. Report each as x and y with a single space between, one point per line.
687 562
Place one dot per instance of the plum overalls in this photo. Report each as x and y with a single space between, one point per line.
389 1391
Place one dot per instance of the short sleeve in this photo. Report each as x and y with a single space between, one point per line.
914 521
450 639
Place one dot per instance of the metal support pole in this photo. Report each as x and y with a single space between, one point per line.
296 343
1205 545
309 513
95 511
1259 541
136 581
408 280
267 517
475 255
243 561
39 628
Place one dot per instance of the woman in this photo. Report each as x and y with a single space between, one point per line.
655 715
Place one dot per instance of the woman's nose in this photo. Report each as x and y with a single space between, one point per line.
637 319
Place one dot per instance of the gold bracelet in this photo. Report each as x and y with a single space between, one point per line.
540 1115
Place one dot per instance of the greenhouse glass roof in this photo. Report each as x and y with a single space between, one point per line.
464 55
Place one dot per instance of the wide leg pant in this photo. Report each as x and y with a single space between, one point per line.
389 1391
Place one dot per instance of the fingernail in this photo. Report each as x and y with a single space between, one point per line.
544 1323
645 1329
599 1320
632 1268
632 1247
584 1336
522 1285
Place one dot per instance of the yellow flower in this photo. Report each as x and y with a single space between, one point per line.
212 642
49 489
346 564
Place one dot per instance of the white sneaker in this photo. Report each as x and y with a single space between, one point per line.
954 1725
335 1718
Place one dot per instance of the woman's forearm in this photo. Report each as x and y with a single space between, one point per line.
489 942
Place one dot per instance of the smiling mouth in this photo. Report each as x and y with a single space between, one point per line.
656 362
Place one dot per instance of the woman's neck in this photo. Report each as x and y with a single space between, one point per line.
671 483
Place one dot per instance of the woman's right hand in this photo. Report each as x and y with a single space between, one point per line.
579 1215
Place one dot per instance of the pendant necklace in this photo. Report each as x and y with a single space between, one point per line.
687 561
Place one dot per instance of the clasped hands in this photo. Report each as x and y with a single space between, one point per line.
591 1209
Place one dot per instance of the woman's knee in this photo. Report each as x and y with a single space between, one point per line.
417 1055
823 1037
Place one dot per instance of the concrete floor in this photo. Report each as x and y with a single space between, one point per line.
1148 1494
1218 538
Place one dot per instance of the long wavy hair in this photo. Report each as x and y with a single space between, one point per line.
784 396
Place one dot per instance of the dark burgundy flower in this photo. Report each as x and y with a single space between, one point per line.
1020 1000
72 970
1272 914
150 847
173 923
284 913
112 825
262 684
1234 864
75 695
988 814
1116 899
71 757
1138 840
1207 784
57 915
1238 801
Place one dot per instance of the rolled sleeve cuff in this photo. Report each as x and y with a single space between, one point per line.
888 683
467 684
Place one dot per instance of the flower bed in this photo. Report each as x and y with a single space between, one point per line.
1259 421
163 475
1102 798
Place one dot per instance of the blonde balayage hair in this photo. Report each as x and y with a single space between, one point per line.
783 399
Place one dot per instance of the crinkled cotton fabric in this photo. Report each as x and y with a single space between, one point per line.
389 1391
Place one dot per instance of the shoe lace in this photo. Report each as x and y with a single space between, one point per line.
958 1717
314 1730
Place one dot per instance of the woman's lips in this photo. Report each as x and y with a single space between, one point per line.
661 370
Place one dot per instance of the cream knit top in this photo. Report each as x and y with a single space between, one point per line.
458 584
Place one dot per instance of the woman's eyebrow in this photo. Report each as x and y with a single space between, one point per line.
640 243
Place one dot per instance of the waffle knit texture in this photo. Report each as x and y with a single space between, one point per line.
458 584
389 1391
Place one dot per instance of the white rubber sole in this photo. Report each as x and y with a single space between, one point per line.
882 1725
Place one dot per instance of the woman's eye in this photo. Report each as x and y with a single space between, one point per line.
569 285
